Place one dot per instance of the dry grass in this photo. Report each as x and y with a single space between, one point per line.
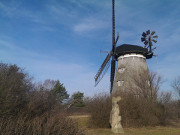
83 123
82 120
47 124
153 131
138 131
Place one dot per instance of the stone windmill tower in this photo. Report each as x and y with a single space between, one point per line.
131 60
132 70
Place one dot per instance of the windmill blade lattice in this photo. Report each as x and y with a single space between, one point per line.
148 37
102 70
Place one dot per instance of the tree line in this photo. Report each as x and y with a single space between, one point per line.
42 108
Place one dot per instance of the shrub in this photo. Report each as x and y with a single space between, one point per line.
42 116
40 102
99 107
138 112
134 111
56 124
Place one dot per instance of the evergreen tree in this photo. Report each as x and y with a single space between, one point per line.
77 99
60 91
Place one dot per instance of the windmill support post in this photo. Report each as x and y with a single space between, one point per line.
115 118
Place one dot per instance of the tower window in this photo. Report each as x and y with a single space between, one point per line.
121 70
148 82
120 83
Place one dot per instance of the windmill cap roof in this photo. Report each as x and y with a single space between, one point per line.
127 49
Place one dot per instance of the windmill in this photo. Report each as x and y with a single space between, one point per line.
130 58
111 55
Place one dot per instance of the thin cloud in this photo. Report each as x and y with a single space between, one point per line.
10 7
20 52
88 25
39 20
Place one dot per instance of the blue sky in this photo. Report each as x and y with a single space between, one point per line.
62 39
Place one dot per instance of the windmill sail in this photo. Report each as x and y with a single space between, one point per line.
106 64
103 69
113 62
112 73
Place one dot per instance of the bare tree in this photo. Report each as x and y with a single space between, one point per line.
15 85
176 85
46 85
156 81
49 84
147 84
165 98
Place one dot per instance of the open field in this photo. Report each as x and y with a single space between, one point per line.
138 131
83 123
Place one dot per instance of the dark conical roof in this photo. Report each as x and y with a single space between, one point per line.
128 49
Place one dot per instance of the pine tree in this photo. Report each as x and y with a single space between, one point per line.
77 99
60 91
